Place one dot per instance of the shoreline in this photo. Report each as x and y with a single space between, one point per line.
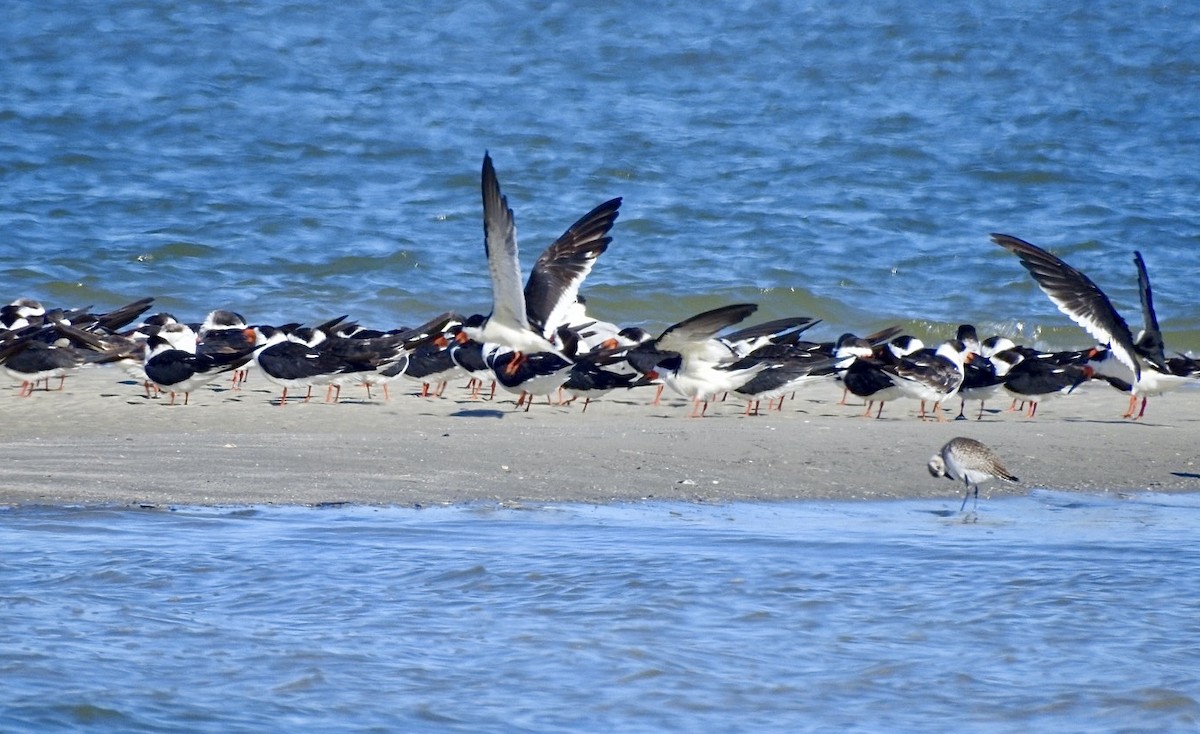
102 442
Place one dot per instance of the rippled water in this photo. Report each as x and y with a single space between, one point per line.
1053 612
296 160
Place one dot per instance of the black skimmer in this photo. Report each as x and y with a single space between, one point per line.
930 375
1035 378
32 355
291 364
779 332
589 380
863 375
981 379
21 313
390 352
467 356
527 319
39 353
970 462
223 332
526 374
1141 361
782 376
691 361
173 364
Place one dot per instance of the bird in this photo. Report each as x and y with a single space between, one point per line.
930 375
865 376
1138 363
589 380
223 332
970 462
290 363
536 373
173 364
783 376
1035 378
527 320
42 351
691 361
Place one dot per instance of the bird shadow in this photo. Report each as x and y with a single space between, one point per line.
1185 475
478 413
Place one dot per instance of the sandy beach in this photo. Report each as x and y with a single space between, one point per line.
101 441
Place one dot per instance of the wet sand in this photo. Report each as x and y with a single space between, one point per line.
101 441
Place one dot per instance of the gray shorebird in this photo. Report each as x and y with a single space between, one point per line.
970 462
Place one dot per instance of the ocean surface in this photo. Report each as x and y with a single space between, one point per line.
299 160
1051 613
296 161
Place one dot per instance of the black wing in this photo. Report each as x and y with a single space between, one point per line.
1076 296
554 282
1151 341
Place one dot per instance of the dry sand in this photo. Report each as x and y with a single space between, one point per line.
100 441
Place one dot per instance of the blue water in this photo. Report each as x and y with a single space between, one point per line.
297 160
1053 612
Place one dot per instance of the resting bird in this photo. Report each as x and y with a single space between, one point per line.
970 462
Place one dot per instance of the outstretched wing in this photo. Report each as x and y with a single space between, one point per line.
1077 297
1151 341
554 282
500 244
688 334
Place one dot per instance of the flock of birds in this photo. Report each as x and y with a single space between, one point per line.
539 340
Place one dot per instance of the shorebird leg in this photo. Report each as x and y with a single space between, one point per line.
870 404
845 394
962 408
26 388
880 413
696 406
283 398
172 398
980 416
1133 404
922 413
968 494
309 394
1032 409
441 388
61 381
658 391
1142 412
586 402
